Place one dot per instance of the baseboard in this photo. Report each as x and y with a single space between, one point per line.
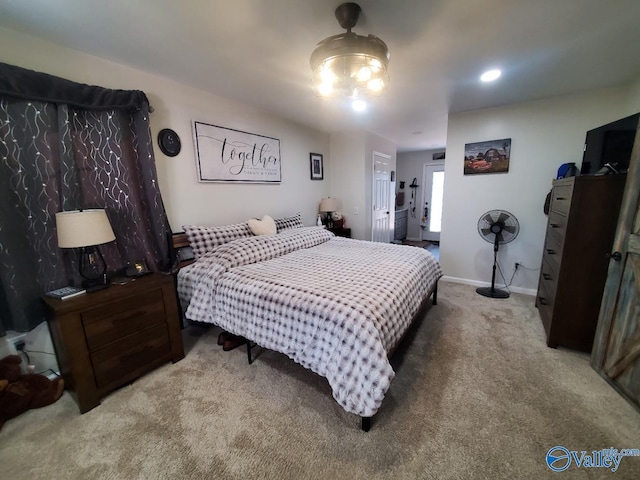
475 283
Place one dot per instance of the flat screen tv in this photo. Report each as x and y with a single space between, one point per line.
608 148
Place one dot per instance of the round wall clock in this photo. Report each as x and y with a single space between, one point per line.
169 142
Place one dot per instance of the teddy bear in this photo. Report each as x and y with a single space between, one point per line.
20 392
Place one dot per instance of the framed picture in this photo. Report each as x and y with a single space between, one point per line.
487 157
228 155
317 167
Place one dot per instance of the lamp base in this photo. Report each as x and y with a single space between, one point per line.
95 284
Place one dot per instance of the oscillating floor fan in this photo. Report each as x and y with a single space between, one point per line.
497 227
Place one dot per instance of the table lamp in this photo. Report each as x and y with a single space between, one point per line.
86 229
328 205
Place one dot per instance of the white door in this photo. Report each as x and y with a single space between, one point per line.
432 195
381 230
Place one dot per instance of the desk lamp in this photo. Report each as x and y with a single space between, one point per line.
86 229
328 205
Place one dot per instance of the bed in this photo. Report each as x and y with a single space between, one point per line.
336 306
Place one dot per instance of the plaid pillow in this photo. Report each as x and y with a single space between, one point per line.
205 239
286 223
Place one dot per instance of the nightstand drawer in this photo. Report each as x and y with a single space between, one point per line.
128 358
112 322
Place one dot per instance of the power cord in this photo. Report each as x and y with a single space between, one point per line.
20 347
515 270
506 285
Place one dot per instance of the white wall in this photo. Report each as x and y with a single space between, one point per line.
544 135
410 166
347 178
176 105
352 176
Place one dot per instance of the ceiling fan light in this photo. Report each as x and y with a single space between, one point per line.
350 61
325 89
326 75
364 74
376 85
375 64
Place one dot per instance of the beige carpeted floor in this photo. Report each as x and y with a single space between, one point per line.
477 395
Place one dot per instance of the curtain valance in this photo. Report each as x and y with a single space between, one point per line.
30 85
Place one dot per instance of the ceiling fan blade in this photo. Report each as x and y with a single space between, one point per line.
510 228
503 216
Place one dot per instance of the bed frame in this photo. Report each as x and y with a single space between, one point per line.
183 257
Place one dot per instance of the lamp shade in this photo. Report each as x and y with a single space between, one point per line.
83 228
328 204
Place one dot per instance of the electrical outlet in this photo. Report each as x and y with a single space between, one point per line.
19 345
516 266
356 211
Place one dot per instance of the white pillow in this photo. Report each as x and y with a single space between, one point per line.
266 226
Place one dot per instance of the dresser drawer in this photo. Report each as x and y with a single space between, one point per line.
112 322
129 358
557 226
549 277
545 302
561 198
552 252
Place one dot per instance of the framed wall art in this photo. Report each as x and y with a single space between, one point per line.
487 157
228 155
317 166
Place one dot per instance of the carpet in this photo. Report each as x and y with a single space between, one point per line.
477 395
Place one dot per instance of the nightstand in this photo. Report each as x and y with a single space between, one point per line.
341 232
105 339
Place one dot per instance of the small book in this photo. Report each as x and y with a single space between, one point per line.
65 293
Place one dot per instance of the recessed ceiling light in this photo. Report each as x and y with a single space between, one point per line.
490 75
359 105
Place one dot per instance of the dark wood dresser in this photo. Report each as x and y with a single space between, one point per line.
108 338
582 221
400 224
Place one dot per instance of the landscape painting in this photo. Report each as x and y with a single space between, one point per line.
487 157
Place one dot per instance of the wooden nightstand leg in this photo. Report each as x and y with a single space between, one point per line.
173 323
74 360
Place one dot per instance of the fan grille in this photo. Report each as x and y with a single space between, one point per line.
500 224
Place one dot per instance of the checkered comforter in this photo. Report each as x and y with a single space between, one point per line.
334 305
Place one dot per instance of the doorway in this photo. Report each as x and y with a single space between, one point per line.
432 198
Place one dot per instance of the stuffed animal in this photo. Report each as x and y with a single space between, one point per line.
19 393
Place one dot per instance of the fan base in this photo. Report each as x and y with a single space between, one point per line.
492 292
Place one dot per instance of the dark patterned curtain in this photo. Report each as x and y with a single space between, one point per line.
56 154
